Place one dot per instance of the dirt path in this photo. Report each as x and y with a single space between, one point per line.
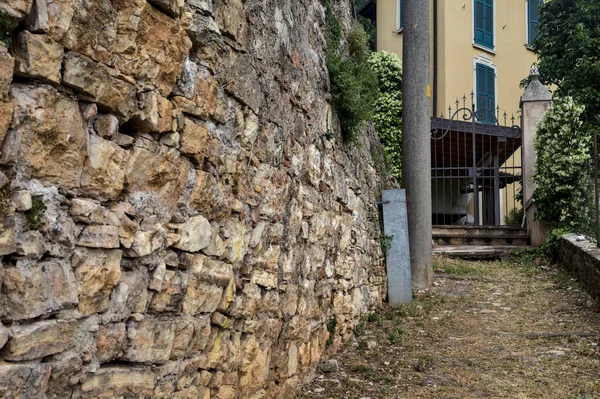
485 330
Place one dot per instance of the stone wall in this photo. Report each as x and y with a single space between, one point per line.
582 259
177 218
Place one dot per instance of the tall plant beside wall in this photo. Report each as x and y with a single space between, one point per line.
388 108
562 169
353 84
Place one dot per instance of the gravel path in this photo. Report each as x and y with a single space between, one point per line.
485 330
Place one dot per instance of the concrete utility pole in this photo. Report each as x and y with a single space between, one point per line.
416 128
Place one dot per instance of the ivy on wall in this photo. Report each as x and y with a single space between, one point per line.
387 116
562 169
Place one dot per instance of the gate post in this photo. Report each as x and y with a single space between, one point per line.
534 104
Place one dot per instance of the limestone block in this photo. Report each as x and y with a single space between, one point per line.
149 341
192 335
203 6
110 342
7 63
106 125
97 272
225 353
37 20
162 176
99 237
186 81
4 332
217 246
22 200
146 242
129 296
92 29
194 140
204 33
111 382
154 114
169 295
53 139
6 113
14 11
150 46
66 371
38 340
97 85
206 283
231 19
37 56
195 234
24 380
170 7
245 84
7 236
32 290
210 197
31 244
103 173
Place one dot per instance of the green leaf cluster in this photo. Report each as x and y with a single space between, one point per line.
353 84
568 48
388 108
562 169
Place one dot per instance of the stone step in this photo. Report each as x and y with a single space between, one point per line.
475 252
480 235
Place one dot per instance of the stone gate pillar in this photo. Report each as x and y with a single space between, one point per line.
534 104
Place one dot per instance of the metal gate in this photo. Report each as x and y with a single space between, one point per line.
476 167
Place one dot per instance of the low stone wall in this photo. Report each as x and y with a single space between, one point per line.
180 217
581 258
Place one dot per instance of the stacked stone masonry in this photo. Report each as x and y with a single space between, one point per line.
177 221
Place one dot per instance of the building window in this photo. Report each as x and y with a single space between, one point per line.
533 19
484 23
486 93
399 14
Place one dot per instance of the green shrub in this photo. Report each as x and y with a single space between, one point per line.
387 116
353 84
562 169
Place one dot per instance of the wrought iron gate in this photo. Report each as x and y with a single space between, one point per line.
476 167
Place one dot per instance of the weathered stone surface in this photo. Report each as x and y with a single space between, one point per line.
37 20
6 112
97 272
110 342
4 332
192 335
7 64
22 200
92 30
37 56
169 295
146 242
149 341
103 173
160 175
53 139
195 234
97 84
38 340
106 125
231 18
23 380
114 382
12 12
31 245
206 285
155 113
211 198
66 371
194 140
170 7
31 290
99 237
150 46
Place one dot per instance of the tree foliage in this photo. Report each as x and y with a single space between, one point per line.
562 168
388 108
568 48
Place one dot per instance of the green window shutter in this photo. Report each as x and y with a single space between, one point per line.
533 19
486 94
401 13
484 22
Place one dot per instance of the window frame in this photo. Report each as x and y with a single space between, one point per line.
476 44
485 61
399 15
528 39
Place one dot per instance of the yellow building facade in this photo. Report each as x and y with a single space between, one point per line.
479 47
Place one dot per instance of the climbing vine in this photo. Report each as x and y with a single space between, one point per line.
387 116
562 169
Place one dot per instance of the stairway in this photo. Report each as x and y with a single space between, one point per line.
478 242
